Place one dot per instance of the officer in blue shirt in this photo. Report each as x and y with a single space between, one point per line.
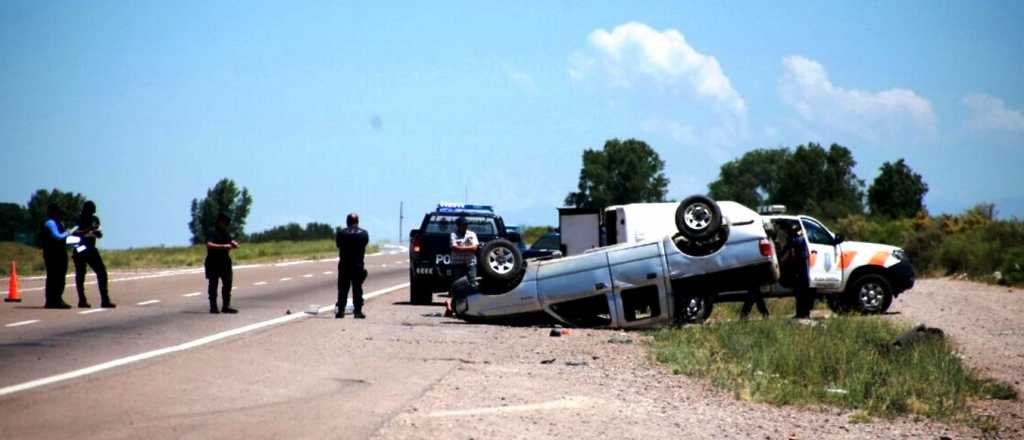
55 256
795 257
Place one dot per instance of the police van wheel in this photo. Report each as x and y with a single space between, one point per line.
871 294
698 218
419 293
500 260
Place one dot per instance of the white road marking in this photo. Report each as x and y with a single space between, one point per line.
406 261
259 283
193 294
172 349
286 279
20 323
308 275
89 312
383 265
327 272
146 303
566 403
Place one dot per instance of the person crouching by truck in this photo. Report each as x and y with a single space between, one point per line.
55 257
218 263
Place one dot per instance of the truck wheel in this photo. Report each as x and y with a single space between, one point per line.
500 260
871 294
694 309
419 292
698 218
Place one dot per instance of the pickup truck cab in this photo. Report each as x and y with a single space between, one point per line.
849 275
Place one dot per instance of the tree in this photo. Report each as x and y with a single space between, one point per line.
294 232
223 198
13 219
70 203
897 192
622 172
753 179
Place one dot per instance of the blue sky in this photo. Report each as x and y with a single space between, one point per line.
325 108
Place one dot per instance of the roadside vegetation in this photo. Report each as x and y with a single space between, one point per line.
30 260
843 361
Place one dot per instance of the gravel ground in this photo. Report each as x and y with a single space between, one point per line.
518 382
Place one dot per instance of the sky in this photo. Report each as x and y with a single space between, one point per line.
323 108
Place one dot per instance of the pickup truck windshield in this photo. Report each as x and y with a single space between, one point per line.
445 224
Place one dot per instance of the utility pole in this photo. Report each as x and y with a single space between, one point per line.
401 218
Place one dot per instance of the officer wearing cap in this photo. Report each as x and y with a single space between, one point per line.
351 243
218 263
464 245
55 256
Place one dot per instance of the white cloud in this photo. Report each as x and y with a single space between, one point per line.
523 81
634 52
873 116
989 113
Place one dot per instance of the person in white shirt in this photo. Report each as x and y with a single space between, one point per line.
464 245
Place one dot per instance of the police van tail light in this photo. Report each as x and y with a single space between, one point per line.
416 246
766 247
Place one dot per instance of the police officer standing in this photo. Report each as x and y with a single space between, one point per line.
218 263
795 257
464 245
351 243
55 257
89 230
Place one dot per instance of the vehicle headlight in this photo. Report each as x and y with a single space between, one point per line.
900 254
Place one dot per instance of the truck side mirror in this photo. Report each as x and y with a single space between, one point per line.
838 239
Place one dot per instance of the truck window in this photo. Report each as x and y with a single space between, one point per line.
445 224
816 233
547 242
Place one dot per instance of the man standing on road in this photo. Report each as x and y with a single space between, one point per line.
795 257
351 243
89 230
464 245
55 257
218 263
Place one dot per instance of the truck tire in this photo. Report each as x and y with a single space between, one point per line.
870 294
698 218
494 287
419 293
500 260
694 309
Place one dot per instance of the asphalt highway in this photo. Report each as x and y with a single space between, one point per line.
80 372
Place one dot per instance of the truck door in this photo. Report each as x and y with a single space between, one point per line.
823 256
639 285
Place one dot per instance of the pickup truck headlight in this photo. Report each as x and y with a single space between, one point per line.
900 254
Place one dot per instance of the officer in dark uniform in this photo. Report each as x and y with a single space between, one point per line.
351 243
55 256
89 230
795 257
218 263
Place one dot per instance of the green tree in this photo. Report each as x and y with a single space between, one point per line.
753 179
224 198
70 203
13 219
622 172
897 192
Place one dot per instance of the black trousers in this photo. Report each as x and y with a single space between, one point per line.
90 258
754 297
221 274
56 271
351 276
804 298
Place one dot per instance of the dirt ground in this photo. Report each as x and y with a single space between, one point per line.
518 382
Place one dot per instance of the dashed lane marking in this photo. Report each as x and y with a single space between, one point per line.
21 323
286 279
89 312
308 275
259 283
192 294
146 303
327 272
172 349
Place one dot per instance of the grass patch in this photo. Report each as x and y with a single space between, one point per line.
30 259
842 361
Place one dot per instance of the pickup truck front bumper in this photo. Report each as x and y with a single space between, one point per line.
900 276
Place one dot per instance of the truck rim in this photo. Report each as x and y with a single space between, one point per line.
871 295
501 260
697 216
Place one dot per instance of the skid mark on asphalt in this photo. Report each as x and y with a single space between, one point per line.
21 323
172 349
146 303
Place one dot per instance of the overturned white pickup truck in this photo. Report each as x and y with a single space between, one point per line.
718 247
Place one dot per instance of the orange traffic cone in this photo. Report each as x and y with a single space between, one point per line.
12 292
